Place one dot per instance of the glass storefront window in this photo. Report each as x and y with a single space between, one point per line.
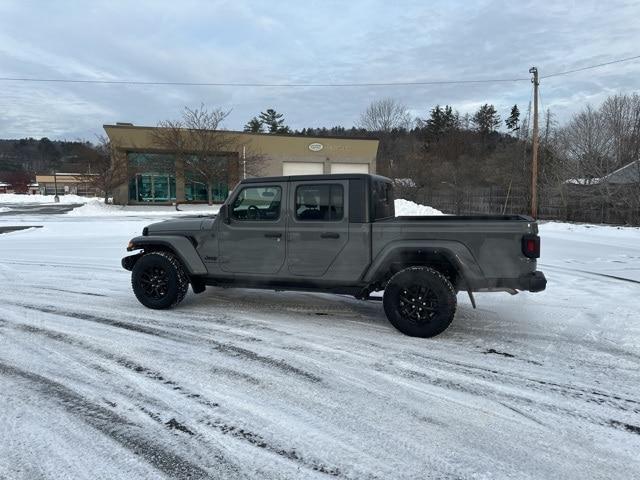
152 188
195 186
154 177
195 189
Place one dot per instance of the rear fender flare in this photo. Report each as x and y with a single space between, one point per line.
180 246
455 252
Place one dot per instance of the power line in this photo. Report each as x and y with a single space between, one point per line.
306 85
258 85
567 72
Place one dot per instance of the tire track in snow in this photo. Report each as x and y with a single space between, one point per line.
111 424
223 347
258 441
51 289
590 395
470 385
587 272
220 424
121 361
66 265
496 377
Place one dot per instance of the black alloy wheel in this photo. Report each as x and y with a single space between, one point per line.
159 280
420 301
154 281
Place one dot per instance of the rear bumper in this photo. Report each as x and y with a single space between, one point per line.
532 282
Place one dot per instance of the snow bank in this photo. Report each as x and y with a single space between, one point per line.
600 229
67 199
405 208
97 208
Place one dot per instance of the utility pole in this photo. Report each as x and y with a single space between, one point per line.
56 198
244 162
534 159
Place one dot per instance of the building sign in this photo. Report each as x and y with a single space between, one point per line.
315 147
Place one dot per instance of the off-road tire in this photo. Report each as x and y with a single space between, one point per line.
420 302
159 280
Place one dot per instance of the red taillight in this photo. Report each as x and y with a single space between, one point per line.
531 246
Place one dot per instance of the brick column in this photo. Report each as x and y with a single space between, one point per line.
121 166
180 180
233 170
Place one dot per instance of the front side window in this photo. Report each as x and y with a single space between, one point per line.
319 202
257 203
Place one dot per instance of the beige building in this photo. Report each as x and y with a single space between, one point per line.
153 173
64 184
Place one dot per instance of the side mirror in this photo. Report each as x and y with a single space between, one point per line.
225 213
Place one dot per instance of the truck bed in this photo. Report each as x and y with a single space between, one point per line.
449 218
489 246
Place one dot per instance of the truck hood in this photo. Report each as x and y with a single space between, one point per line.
182 225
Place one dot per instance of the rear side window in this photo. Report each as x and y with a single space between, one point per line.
382 200
319 202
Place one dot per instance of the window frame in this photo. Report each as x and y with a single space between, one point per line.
330 185
247 187
375 200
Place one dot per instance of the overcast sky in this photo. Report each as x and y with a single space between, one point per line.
301 42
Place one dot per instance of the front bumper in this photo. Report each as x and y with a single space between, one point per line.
532 282
130 261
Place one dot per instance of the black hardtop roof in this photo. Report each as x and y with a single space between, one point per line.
304 178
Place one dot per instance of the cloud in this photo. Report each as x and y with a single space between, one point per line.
318 42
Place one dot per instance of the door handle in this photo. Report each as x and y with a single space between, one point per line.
273 235
330 235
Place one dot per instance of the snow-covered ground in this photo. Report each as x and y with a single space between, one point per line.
95 207
258 384
43 199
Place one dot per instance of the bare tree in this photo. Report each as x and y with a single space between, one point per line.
587 144
199 142
390 120
105 174
621 115
385 115
597 142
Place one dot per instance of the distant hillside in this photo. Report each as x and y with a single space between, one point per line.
30 156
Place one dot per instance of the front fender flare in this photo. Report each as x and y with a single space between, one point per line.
180 246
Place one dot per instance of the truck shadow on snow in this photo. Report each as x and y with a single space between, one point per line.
330 310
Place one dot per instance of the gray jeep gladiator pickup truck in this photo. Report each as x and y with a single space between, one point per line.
337 234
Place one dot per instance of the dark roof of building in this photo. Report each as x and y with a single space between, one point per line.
628 174
304 178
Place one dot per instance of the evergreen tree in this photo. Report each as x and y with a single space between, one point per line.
254 126
441 121
513 121
274 121
486 119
